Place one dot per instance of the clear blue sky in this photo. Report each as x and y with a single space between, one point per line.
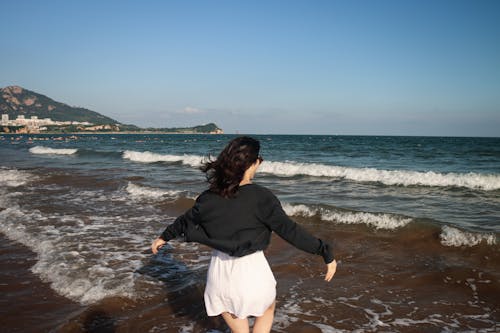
317 67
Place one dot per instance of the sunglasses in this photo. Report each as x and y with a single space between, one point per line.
260 159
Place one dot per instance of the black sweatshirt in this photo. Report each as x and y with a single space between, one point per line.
242 225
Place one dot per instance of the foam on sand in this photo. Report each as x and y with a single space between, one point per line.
61 263
376 220
454 237
52 151
91 256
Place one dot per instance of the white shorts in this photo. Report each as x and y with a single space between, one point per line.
243 286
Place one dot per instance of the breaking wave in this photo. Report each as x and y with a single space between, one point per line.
387 177
52 151
139 191
376 220
454 237
149 157
487 182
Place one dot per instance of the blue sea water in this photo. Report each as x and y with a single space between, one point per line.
448 180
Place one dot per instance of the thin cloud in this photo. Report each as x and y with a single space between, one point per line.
191 110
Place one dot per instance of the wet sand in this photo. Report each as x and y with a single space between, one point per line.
384 283
26 303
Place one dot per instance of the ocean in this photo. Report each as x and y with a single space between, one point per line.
415 223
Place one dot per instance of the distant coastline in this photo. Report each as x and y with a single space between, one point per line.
111 133
106 132
26 112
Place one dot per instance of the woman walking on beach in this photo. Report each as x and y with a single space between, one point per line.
236 217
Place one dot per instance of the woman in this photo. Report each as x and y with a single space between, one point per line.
236 217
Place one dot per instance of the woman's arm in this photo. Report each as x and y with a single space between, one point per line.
293 233
276 219
176 229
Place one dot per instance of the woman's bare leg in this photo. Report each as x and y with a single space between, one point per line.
264 323
236 324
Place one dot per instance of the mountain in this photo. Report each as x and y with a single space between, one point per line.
16 101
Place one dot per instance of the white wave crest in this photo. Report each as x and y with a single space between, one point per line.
138 191
454 237
487 182
299 210
14 178
379 221
387 177
52 151
149 157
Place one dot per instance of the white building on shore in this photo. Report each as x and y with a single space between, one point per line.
5 120
34 123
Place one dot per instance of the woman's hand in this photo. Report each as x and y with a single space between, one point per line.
157 244
330 270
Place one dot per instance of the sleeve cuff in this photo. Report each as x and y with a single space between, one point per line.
327 253
167 235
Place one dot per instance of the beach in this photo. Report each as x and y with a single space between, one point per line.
415 223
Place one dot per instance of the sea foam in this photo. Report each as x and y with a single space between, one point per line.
454 237
376 220
52 151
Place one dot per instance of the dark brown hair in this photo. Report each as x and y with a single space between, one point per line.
226 172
